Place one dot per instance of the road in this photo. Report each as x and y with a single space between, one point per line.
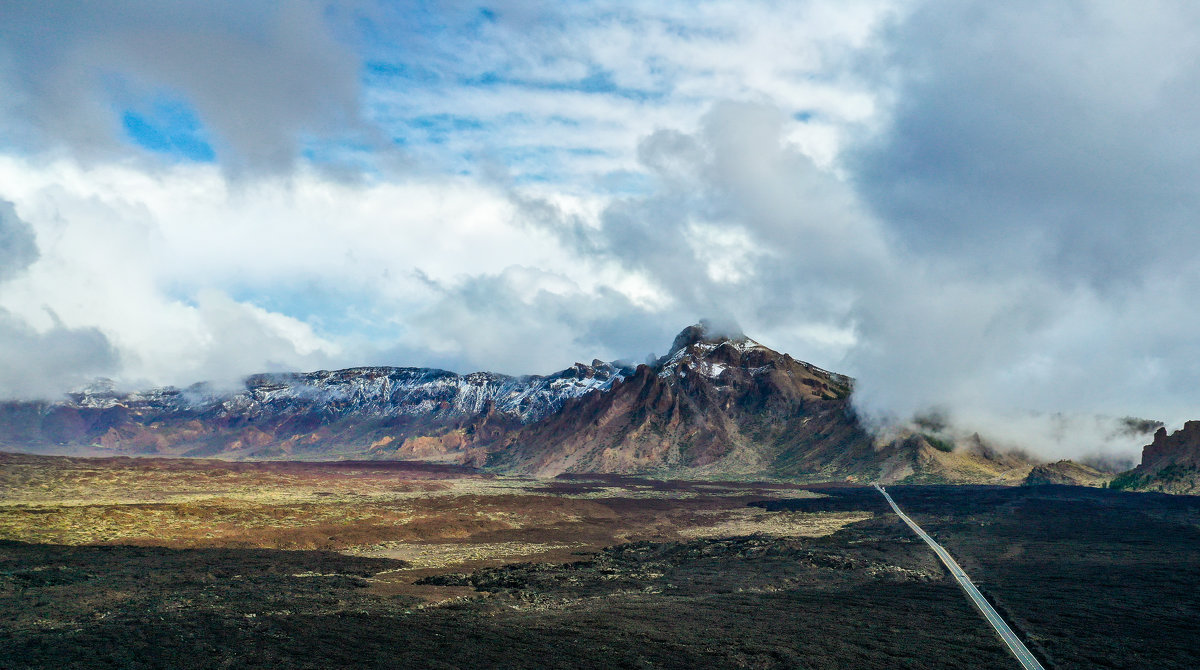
1015 645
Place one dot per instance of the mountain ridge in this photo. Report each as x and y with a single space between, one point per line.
718 404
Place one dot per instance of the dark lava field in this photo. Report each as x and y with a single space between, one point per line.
1089 578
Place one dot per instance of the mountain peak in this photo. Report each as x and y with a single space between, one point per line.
708 332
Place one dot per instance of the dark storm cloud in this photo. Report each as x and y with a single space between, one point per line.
1061 138
18 244
41 364
1039 167
261 78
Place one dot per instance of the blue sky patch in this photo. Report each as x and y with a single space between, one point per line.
379 71
168 127
599 82
331 311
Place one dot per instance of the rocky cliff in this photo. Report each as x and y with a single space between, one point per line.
1171 463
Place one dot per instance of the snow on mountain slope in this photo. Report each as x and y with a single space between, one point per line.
372 391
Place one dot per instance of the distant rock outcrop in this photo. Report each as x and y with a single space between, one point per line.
928 459
1067 473
1171 463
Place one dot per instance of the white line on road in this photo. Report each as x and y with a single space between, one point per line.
1018 648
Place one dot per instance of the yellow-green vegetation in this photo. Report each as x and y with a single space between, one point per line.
421 555
431 516
757 521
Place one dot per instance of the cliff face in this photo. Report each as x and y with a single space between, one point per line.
717 404
1171 463
1179 448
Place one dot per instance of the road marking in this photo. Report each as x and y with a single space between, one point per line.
1018 648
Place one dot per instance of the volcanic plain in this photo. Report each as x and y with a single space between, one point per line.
143 562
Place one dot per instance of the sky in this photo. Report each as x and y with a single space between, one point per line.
983 209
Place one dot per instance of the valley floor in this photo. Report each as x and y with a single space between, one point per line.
173 563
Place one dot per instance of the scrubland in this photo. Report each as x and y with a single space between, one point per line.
140 563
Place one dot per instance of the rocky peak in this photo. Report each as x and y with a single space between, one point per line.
706 332
1182 446
704 344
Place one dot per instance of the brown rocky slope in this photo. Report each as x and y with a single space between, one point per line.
1067 473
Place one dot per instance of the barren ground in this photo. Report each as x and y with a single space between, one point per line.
149 563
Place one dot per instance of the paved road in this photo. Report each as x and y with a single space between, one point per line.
1014 643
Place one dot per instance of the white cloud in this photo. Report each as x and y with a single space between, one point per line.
652 67
154 263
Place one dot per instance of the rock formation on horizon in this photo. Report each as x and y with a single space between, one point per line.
1171 463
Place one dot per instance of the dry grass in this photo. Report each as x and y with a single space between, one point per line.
431 519
446 554
756 521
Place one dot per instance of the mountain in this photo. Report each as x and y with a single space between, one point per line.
1171 463
299 415
729 406
718 404
1067 472
713 405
